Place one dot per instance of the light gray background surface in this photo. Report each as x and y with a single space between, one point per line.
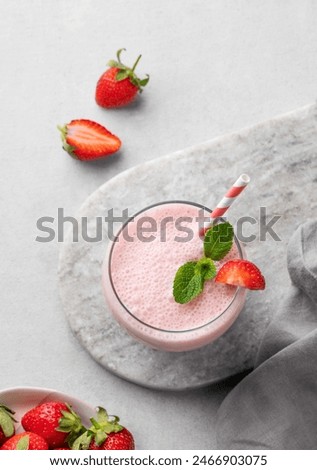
215 66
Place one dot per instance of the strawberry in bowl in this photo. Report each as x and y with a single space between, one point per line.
55 421
106 433
45 419
7 428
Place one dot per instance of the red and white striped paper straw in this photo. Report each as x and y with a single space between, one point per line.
230 196
228 199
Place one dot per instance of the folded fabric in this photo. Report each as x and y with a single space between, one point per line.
275 406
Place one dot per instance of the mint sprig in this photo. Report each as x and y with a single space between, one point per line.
190 277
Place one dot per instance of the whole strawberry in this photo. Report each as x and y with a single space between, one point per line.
56 422
6 423
119 85
122 440
105 434
25 441
87 140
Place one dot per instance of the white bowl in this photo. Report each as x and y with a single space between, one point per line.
22 399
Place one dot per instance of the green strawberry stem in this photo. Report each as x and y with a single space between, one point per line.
68 148
119 54
102 426
136 63
128 72
119 59
71 423
7 420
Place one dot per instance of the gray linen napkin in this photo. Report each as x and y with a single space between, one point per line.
275 406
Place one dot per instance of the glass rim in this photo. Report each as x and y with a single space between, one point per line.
152 327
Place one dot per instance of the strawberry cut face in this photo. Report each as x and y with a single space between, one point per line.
243 273
90 139
87 140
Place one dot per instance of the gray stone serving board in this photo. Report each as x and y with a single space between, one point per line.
280 155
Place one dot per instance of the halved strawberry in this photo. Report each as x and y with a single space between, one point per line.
240 272
56 422
87 140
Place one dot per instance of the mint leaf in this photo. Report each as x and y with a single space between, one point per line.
206 268
218 241
187 283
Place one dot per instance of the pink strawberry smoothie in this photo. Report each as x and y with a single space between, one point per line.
138 274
